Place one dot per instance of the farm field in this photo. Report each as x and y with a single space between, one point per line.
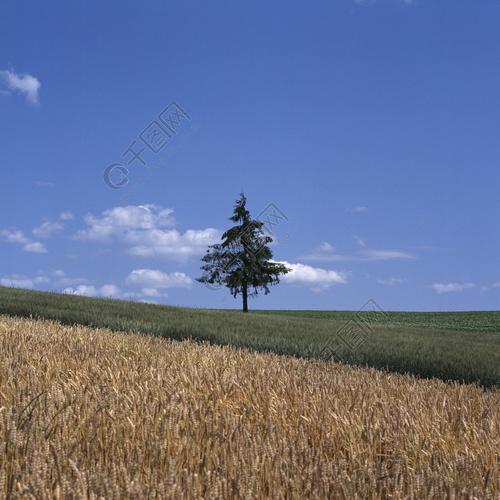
475 321
88 413
467 356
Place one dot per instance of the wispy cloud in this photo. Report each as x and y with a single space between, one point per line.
325 254
360 242
326 247
358 210
24 84
390 281
373 2
45 184
386 255
66 216
452 287
48 228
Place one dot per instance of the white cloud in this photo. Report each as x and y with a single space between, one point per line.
148 232
106 291
316 277
25 84
16 236
35 247
86 290
152 292
60 279
57 278
171 243
20 281
359 210
47 229
150 279
119 221
452 287
150 282
390 281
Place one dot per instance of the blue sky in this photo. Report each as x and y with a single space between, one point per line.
371 126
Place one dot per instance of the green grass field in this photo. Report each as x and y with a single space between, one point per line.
473 321
450 346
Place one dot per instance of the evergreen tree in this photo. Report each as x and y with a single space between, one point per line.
243 261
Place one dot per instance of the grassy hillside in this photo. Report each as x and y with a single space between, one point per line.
468 356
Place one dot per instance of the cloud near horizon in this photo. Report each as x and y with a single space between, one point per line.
452 287
150 283
153 279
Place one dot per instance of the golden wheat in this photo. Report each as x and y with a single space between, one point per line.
90 413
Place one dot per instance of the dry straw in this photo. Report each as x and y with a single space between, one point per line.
90 413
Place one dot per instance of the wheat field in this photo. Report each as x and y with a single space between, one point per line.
87 413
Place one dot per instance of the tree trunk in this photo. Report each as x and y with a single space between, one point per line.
245 297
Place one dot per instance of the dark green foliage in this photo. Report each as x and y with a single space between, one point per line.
468 356
243 261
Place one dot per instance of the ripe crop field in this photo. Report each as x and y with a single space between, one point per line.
89 413
419 348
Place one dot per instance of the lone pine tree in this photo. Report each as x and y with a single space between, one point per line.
243 261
